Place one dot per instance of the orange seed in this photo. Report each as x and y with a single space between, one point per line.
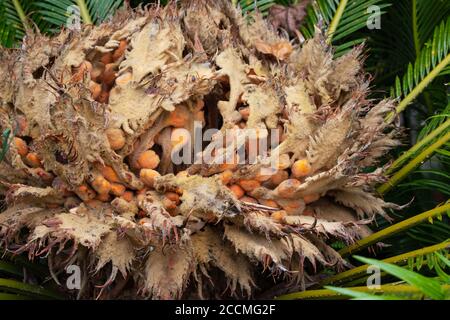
248 199
109 173
237 190
287 188
301 168
117 189
311 197
85 193
173 196
148 160
107 58
116 138
269 203
128 196
118 53
249 185
226 176
101 185
21 146
148 176
278 215
33 160
95 89
124 78
279 177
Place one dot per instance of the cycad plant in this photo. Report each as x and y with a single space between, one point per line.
87 176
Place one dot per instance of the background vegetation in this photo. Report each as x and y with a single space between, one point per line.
408 58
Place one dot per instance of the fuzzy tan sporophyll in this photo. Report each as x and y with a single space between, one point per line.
88 181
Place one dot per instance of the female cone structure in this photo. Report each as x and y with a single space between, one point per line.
93 118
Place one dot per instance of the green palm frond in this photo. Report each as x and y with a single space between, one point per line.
432 60
103 10
414 163
435 121
421 173
344 18
432 183
430 287
399 290
262 6
415 259
428 16
413 285
59 12
55 12
48 15
11 26
323 10
15 17
406 224
434 288
355 17
445 71
406 28
437 125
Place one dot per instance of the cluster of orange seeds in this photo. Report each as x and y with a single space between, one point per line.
284 181
104 185
103 72
288 176
32 159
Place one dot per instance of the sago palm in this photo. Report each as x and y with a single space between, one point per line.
94 116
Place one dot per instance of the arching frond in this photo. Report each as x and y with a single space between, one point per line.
48 16
355 16
11 27
428 65
413 285
58 13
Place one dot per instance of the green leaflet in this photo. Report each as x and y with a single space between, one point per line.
428 286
